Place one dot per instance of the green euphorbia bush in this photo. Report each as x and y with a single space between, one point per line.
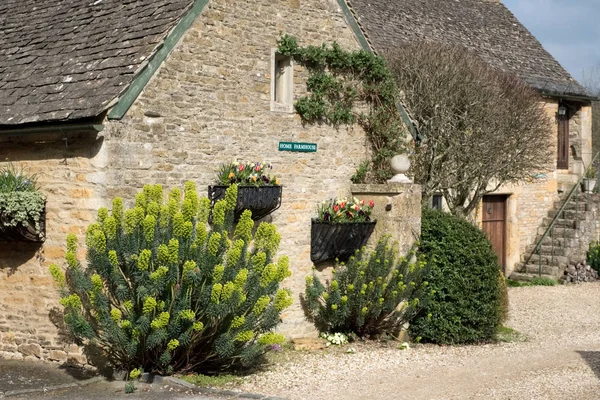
165 291
374 293
469 301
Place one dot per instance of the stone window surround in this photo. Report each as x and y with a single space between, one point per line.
286 106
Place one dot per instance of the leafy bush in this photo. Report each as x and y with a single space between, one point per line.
166 292
503 289
16 180
369 295
593 256
467 304
20 201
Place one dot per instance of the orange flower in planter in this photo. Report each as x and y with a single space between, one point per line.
247 174
341 211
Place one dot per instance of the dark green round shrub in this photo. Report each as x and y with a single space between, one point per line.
467 304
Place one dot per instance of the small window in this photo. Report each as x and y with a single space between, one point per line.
282 84
436 201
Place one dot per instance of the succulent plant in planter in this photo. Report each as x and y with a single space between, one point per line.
258 190
22 207
589 180
341 227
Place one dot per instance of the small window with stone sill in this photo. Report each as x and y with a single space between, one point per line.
282 83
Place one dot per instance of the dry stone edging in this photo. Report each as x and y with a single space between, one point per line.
580 273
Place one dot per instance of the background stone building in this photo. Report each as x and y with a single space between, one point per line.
489 30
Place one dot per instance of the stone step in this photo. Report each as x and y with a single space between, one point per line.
548 260
579 206
561 232
523 277
549 250
558 242
534 269
561 223
568 214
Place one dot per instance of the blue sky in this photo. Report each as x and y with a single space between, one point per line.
568 29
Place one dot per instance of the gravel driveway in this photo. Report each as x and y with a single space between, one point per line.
559 360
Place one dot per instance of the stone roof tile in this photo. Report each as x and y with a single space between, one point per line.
62 60
485 27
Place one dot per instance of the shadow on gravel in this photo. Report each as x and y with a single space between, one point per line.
592 358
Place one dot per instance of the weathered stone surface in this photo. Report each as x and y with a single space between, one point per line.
580 273
50 72
397 210
57 355
32 349
75 358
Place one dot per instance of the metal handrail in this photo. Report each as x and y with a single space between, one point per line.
550 228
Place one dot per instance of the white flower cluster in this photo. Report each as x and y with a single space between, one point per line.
337 338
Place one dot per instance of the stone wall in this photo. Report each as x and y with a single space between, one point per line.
213 98
70 174
208 104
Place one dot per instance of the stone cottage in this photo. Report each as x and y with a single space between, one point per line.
100 97
514 215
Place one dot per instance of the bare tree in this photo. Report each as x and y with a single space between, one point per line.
480 128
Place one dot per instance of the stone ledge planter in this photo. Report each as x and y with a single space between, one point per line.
261 200
22 233
329 241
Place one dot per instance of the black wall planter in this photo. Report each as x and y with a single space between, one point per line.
22 233
261 200
329 241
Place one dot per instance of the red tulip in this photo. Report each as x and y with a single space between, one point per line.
336 208
241 167
371 203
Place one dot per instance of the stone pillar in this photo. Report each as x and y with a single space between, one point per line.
397 210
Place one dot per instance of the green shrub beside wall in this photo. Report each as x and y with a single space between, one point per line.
467 306
166 292
374 293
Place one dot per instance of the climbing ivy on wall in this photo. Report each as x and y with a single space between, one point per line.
348 87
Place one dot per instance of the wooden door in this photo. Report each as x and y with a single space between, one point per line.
494 225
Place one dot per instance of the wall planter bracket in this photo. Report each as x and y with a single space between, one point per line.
329 241
22 232
261 200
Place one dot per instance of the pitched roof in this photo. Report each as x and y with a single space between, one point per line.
63 60
485 27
